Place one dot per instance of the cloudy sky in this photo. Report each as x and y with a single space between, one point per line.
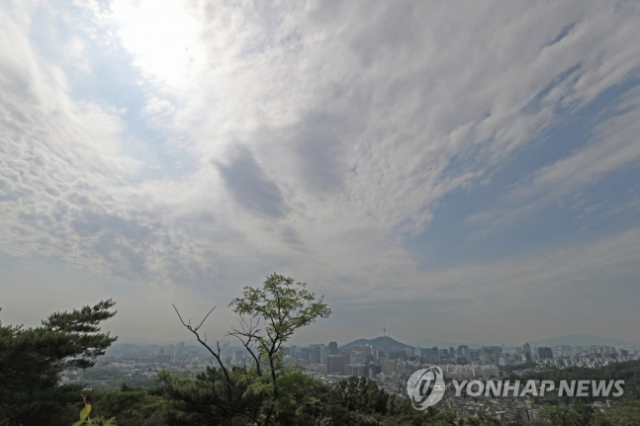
452 170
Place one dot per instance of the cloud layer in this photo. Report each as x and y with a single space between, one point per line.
193 147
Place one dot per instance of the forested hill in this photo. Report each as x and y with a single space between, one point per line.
384 342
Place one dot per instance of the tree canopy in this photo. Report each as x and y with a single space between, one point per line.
32 359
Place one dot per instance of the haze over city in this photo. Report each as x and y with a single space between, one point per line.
459 171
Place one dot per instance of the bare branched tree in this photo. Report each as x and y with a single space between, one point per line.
267 317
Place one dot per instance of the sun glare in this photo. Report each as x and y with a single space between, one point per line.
161 36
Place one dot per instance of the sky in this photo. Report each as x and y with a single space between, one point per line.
452 170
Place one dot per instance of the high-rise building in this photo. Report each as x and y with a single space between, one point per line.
545 353
366 349
474 354
388 366
461 360
355 370
305 353
315 354
333 348
373 370
463 350
397 354
335 364
356 358
431 355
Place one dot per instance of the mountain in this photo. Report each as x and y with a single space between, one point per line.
385 342
442 344
580 340
430 343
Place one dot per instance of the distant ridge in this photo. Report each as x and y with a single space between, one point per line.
385 342
430 343
571 340
580 340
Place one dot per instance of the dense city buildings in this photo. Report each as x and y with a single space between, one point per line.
384 360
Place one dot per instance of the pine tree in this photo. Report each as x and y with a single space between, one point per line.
32 360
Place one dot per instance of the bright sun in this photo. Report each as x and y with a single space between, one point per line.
161 36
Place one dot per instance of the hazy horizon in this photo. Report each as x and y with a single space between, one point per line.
446 170
421 343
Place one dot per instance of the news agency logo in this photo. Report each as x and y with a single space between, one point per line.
426 387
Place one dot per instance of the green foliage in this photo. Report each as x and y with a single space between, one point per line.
357 418
284 306
559 415
85 420
111 379
444 418
81 328
97 421
307 402
480 419
302 401
269 394
624 415
362 395
270 315
131 406
32 359
205 400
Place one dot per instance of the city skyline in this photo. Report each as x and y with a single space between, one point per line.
462 173
578 340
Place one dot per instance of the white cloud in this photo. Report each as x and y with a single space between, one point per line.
613 146
156 106
322 134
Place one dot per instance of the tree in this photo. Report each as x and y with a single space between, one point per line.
32 359
480 419
558 415
205 400
443 418
131 406
269 316
361 394
284 307
623 415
